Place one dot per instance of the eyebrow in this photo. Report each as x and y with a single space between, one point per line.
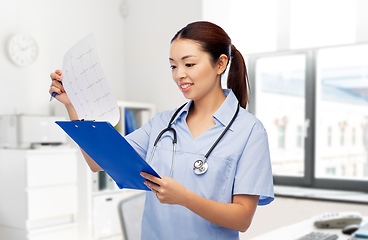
186 56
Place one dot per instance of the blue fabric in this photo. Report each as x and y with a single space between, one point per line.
239 164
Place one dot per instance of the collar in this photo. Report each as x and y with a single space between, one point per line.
185 110
225 112
227 109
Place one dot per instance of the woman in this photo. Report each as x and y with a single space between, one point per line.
219 202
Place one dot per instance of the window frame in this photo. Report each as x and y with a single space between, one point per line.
309 180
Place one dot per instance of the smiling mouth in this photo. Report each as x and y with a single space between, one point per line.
185 86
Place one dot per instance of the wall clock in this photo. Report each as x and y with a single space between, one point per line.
22 49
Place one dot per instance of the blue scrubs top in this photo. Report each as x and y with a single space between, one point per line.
239 164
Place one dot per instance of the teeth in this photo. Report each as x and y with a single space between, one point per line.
185 86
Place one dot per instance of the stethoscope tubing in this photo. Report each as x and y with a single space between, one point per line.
203 162
162 133
222 134
169 128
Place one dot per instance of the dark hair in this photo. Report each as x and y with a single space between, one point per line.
215 41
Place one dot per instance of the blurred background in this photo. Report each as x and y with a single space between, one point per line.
308 69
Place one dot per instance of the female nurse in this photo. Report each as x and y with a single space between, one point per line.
220 202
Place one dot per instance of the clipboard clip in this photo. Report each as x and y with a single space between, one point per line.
83 120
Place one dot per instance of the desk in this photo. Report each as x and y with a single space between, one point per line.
302 228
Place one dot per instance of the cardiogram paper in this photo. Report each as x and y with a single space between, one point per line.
86 85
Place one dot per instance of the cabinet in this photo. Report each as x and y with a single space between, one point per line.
38 197
100 202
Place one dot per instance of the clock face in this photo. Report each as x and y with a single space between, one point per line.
22 49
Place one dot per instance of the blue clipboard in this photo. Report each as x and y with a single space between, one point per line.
110 151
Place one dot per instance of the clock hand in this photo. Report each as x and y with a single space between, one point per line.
25 48
21 48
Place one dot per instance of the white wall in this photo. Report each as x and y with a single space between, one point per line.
149 27
362 21
56 26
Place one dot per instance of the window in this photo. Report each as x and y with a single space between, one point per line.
282 137
343 170
318 97
331 171
299 137
280 105
329 136
342 135
342 101
312 102
353 136
365 135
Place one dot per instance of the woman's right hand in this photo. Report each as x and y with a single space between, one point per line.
61 95
57 87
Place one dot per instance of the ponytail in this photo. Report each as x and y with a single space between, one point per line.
237 79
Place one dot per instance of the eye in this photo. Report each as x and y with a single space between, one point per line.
172 67
189 64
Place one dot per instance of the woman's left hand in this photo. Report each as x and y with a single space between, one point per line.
166 189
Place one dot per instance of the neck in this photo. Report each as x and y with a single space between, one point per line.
208 105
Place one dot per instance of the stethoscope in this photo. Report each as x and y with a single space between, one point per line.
200 166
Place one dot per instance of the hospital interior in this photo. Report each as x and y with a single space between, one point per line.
307 63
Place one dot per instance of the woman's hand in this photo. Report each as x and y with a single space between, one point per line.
236 215
167 190
57 87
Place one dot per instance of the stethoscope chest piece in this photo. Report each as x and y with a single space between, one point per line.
200 167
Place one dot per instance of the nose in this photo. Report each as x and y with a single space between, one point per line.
180 73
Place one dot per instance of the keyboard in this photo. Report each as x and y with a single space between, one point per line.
319 236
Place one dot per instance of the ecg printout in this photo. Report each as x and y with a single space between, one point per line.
86 85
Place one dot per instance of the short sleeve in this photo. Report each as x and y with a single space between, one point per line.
139 139
254 175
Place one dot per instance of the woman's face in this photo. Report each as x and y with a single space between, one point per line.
192 69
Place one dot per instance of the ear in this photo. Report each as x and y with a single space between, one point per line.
222 63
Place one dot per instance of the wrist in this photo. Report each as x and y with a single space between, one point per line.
187 198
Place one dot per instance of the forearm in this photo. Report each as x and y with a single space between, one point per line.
91 163
237 215
71 112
